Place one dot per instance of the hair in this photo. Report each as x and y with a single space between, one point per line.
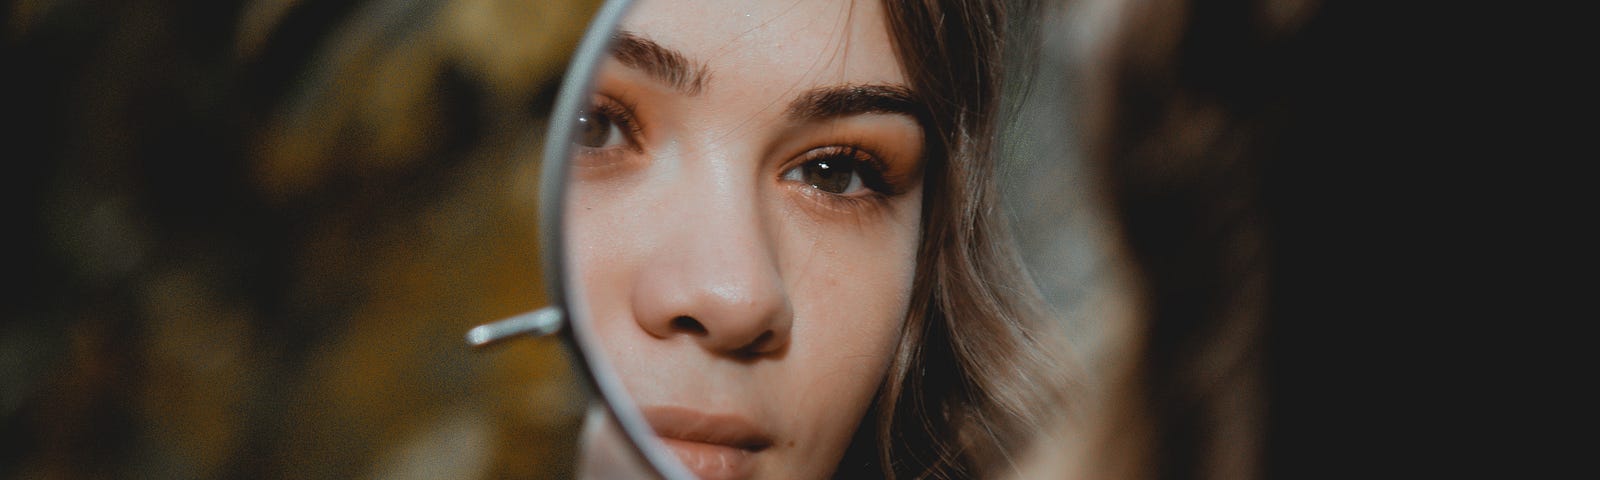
961 392
1180 172
1203 110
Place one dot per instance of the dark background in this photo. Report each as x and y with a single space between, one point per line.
246 239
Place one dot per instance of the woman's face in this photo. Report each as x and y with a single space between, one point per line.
744 215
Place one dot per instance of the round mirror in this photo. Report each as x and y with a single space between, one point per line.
789 247
783 250
743 215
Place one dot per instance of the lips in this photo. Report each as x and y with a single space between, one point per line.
713 446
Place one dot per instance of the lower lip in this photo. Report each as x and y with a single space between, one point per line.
711 461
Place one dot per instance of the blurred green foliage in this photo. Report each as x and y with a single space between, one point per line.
248 238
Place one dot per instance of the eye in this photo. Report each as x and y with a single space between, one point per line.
598 129
832 175
837 170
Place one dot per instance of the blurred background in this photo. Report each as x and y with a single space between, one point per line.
1049 193
247 238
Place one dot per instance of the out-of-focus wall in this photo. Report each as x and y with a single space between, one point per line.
249 236
1048 191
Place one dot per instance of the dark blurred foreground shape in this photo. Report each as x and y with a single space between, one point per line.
1309 194
247 238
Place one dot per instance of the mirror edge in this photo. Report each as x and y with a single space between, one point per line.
576 86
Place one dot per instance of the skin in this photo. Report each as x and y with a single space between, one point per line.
718 275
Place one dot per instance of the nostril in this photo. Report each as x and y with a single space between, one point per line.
688 324
758 345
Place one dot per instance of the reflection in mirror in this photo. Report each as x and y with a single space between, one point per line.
782 242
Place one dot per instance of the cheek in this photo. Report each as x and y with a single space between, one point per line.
607 233
851 292
852 281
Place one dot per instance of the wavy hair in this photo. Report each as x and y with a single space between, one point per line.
963 388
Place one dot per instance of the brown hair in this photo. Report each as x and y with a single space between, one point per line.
960 391
1296 183
1201 107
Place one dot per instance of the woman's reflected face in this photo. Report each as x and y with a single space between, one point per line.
744 214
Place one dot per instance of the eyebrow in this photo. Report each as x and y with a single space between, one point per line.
676 70
664 64
846 100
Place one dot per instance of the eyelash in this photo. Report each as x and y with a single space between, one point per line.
881 186
874 173
620 112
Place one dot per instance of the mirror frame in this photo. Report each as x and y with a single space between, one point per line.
572 97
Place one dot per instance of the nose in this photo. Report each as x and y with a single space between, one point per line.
715 278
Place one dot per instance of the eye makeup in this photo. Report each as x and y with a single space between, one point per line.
849 178
839 163
827 167
608 132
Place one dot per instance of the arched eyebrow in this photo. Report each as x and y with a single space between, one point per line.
846 100
666 65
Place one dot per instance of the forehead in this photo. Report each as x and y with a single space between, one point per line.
774 45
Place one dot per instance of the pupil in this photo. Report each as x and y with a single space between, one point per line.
593 128
832 176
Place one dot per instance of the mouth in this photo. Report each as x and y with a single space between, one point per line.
713 446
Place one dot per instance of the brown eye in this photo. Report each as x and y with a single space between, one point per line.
596 129
837 175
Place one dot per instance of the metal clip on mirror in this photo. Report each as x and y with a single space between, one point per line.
537 323
623 433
